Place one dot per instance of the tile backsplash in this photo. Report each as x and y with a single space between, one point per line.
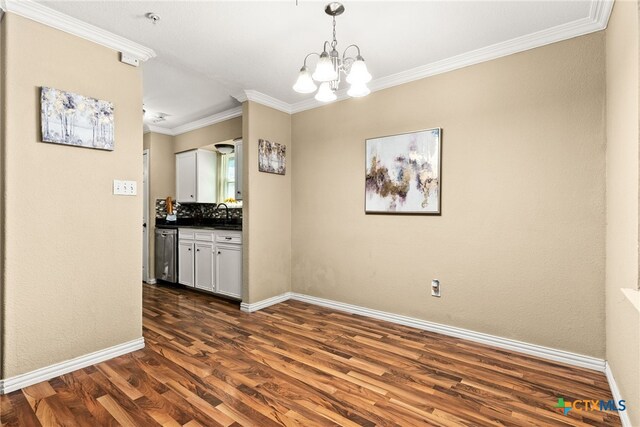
195 210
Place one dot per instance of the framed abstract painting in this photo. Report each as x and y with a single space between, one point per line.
402 174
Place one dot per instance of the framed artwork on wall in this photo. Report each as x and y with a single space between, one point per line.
272 157
71 119
403 173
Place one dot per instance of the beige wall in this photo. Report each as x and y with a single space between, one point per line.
519 248
623 320
72 270
267 207
3 111
223 131
162 180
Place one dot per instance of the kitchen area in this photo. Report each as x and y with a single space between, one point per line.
197 239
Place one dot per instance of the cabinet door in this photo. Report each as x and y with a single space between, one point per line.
185 263
229 270
186 177
204 266
206 177
238 150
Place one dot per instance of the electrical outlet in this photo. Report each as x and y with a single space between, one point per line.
435 288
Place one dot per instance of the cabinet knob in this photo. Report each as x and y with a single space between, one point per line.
218 252
189 249
197 250
191 196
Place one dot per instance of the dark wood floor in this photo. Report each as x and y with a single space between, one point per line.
208 364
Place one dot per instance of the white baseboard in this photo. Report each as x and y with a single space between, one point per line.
8 385
548 353
250 308
624 415
151 281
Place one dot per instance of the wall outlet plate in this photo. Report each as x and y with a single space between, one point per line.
435 288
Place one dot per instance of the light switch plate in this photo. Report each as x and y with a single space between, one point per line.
125 188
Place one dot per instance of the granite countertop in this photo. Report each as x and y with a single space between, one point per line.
206 223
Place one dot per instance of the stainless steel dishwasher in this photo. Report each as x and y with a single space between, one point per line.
166 258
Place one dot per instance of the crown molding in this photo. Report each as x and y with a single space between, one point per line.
52 18
208 121
200 123
263 99
158 129
599 14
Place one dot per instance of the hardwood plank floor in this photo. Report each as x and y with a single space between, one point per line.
206 363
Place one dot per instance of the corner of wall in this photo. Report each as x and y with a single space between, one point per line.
267 207
3 79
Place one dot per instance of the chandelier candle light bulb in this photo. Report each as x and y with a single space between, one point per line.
324 70
305 83
325 94
359 72
330 65
358 90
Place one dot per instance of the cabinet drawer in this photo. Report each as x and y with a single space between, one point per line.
186 233
204 235
229 237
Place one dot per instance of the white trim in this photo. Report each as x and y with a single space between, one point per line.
208 121
151 281
158 129
548 353
197 124
263 99
250 308
43 374
624 415
52 18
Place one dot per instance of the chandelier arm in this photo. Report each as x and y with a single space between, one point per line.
344 53
307 57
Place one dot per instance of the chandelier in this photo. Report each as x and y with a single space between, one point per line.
330 66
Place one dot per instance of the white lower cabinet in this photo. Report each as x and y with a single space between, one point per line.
185 262
229 270
211 260
204 266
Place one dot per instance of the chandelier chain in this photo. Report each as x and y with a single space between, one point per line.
334 43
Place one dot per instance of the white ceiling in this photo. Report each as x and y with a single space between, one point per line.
207 51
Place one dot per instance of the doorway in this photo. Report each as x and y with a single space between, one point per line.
145 215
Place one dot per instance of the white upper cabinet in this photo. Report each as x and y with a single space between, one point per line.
196 176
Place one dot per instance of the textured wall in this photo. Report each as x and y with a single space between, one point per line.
267 207
519 248
623 320
72 272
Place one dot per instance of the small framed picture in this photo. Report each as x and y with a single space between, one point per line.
272 157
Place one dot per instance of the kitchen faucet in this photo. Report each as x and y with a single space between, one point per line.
226 211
